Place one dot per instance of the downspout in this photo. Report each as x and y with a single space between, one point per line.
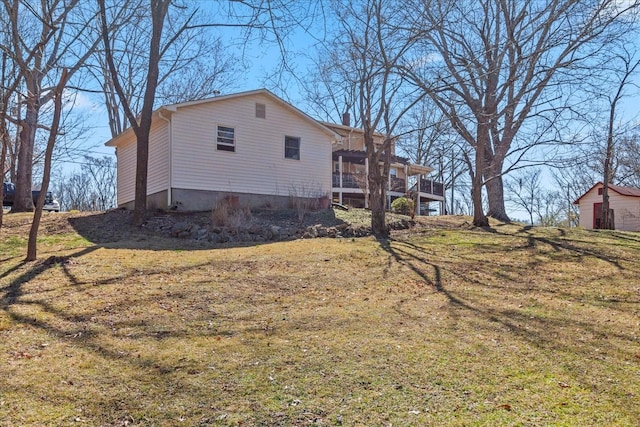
170 156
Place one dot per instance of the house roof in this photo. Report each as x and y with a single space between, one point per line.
358 156
344 130
623 191
171 108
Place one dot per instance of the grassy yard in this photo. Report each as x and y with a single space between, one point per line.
445 325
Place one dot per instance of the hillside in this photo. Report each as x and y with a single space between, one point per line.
443 324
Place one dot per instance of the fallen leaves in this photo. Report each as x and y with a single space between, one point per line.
21 355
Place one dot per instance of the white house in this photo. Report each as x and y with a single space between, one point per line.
624 201
250 145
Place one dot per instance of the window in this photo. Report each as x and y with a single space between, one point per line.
226 138
261 111
393 172
599 191
292 147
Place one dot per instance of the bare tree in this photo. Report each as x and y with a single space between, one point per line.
43 40
369 47
550 208
629 65
502 72
195 63
427 139
141 128
47 44
102 172
93 188
572 180
74 191
8 85
53 131
628 155
325 91
524 191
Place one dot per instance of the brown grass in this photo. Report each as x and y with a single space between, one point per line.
446 325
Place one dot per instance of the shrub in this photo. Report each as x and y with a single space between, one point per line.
224 214
403 205
304 198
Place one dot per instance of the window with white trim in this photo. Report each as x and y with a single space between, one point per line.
292 147
226 140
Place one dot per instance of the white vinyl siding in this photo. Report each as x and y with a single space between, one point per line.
259 166
126 179
158 173
158 167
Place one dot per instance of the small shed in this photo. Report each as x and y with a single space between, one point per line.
625 202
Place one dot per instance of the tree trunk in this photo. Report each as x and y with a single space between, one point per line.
606 222
377 205
3 155
495 195
495 188
23 199
142 153
159 10
479 218
377 193
4 140
482 136
32 245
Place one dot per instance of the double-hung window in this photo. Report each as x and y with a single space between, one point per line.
226 140
292 147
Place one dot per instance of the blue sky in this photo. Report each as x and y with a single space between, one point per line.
261 57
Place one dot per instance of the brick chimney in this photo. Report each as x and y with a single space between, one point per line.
346 119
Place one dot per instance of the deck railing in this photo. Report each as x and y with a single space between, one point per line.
350 180
431 187
398 185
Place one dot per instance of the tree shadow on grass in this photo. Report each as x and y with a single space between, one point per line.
573 247
129 332
14 290
466 284
93 331
629 236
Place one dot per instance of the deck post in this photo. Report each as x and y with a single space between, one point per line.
418 198
366 183
406 179
388 201
340 173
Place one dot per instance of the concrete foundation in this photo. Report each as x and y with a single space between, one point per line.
203 200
